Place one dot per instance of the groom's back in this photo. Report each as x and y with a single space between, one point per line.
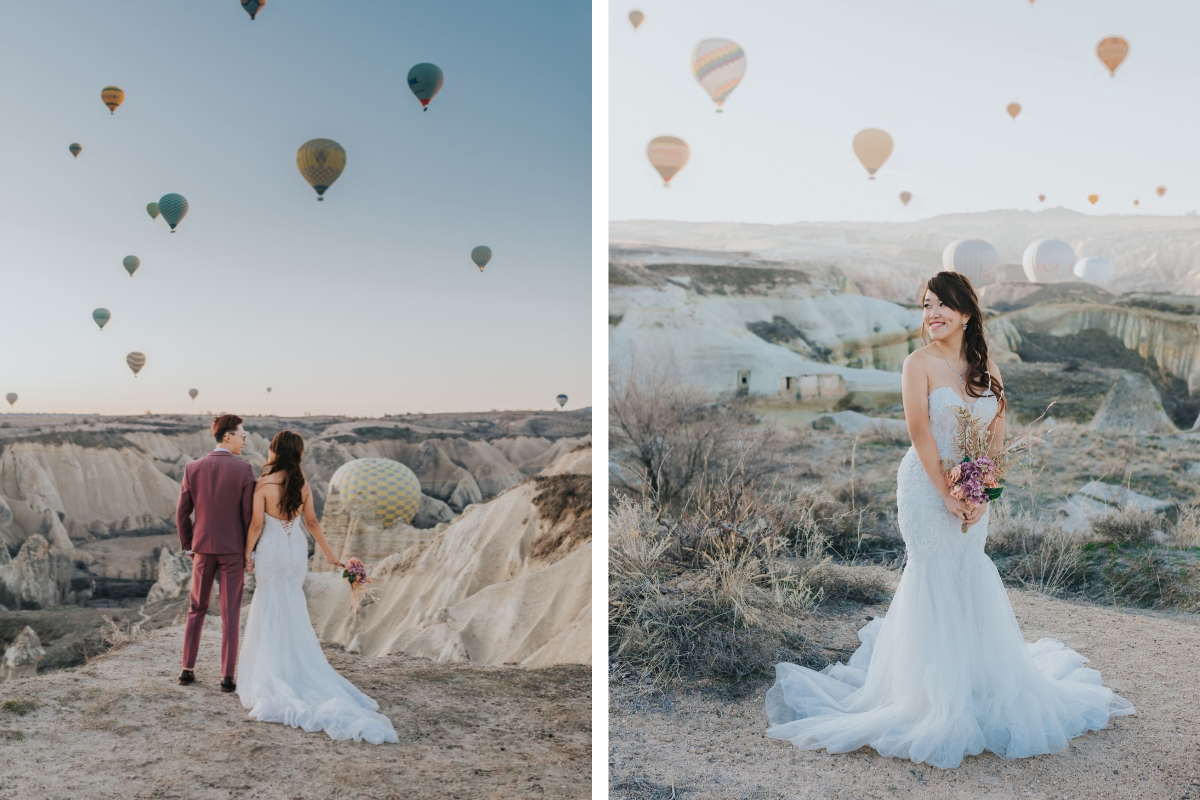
219 487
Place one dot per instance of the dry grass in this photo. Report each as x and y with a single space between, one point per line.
1186 532
116 636
19 707
1129 525
564 503
1030 550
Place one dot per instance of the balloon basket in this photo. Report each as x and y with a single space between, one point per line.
320 199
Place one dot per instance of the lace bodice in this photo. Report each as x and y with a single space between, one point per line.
942 421
281 555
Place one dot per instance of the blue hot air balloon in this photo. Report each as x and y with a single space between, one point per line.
173 207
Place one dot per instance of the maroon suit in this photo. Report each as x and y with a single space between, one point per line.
220 489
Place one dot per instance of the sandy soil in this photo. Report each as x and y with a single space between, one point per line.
121 727
698 746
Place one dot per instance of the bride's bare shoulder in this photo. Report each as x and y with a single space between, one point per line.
918 359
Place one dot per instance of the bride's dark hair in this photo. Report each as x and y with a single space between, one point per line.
289 450
956 291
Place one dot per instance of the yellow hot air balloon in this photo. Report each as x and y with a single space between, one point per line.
1014 109
112 97
321 161
668 155
873 147
636 18
1041 198
136 361
1093 198
905 197
1112 52
375 487
1160 191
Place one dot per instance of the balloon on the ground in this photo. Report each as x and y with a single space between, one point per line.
425 81
873 147
1112 52
152 210
173 207
1048 260
75 149
378 487
1093 198
718 65
101 317
136 361
11 397
636 18
253 7
1014 109
975 259
562 400
1041 198
1098 271
668 155
112 97
131 264
481 256
193 392
905 197
1160 191
320 161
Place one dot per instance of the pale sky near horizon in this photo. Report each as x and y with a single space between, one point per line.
937 75
364 304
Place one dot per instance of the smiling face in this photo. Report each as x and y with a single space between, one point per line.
941 320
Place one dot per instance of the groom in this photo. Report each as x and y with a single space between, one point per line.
220 488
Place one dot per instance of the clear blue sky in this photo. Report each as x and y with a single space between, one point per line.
366 303
937 75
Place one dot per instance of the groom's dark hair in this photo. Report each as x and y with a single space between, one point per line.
225 423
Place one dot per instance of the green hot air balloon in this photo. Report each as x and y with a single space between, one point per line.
131 264
136 361
425 81
253 7
268 389
562 400
101 316
75 149
481 256
152 210
173 207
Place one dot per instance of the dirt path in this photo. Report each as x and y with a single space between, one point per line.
121 727
716 748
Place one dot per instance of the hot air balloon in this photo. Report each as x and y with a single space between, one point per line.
1093 198
1160 191
268 390
152 210
481 256
905 197
1112 52
136 361
376 487
636 18
718 65
1048 260
173 207
973 258
668 155
562 400
873 147
1041 198
253 7
131 264
112 97
192 393
1014 109
11 397
75 149
425 81
1098 271
101 316
1137 202
321 161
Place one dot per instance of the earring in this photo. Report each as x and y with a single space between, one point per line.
964 326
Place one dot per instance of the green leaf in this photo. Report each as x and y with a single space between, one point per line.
994 494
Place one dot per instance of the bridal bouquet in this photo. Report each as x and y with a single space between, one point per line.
976 477
356 573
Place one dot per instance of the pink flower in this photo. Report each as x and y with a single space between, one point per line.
956 473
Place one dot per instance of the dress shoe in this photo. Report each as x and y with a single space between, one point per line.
186 677
227 684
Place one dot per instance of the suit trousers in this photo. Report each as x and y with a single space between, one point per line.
204 569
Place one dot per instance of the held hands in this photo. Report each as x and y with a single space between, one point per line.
960 509
249 560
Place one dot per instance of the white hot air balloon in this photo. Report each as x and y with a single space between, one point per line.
974 258
1097 271
1048 261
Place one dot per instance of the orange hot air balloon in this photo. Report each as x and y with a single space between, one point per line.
1160 191
1093 198
905 197
112 97
668 155
873 147
1041 198
1112 52
1014 109
1137 202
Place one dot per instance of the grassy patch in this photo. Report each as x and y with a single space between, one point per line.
12 736
19 707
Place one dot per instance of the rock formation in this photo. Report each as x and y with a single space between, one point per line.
21 658
174 576
1133 405
40 576
431 513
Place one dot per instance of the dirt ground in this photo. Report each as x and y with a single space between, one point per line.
705 746
121 727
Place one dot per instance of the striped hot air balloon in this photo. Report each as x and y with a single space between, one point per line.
75 149
425 81
562 400
112 96
321 162
668 155
174 208
101 316
136 361
718 65
253 7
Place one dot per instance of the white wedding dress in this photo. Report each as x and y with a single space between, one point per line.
282 674
946 673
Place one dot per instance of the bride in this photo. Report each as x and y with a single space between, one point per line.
946 673
282 675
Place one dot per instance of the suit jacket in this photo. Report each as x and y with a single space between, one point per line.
220 489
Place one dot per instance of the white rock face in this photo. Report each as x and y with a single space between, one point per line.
431 513
1133 405
39 575
1049 261
174 576
21 658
